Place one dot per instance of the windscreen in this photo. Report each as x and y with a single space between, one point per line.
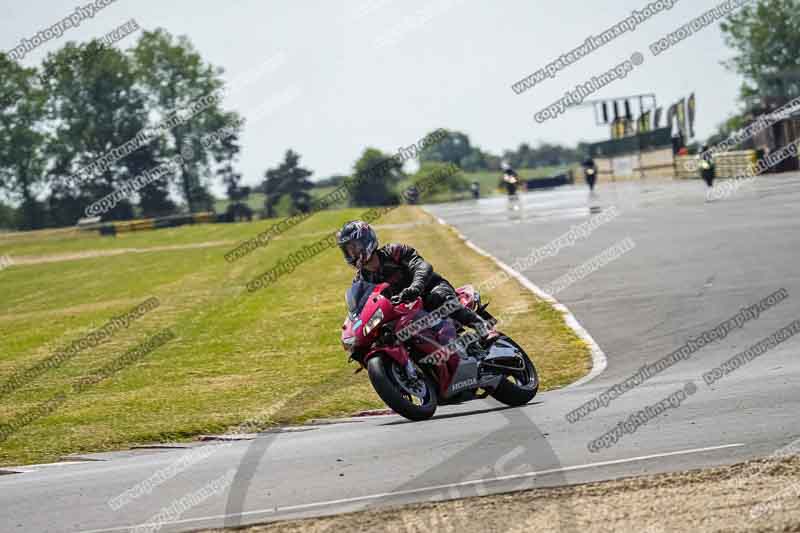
357 295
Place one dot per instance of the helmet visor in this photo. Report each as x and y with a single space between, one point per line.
352 251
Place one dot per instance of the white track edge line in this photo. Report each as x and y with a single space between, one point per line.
599 359
368 497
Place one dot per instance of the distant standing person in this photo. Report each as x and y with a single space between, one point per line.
475 187
590 172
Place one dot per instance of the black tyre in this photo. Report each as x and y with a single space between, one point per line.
413 399
520 388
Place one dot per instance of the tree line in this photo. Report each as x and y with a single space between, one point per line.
766 38
91 118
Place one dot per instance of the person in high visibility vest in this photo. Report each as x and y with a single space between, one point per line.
590 173
707 169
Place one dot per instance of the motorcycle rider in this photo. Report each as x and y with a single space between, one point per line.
707 169
406 271
510 179
590 172
475 188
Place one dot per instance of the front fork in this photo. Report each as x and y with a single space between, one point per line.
398 353
411 372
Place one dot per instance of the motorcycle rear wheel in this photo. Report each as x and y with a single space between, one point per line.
413 400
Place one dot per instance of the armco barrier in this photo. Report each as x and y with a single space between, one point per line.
147 224
205 217
655 163
546 183
727 164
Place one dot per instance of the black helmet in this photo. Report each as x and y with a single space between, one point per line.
358 242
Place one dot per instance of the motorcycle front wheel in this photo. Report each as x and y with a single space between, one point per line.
518 388
413 398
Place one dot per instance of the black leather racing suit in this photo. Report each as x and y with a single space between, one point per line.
511 188
402 267
708 173
590 178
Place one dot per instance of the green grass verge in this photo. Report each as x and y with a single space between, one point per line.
235 354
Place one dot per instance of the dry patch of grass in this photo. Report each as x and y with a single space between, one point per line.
757 496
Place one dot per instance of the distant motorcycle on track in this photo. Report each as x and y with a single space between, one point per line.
590 173
511 183
475 189
415 375
707 167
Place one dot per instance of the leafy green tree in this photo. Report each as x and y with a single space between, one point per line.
544 155
475 160
582 151
766 36
333 181
453 148
445 181
493 162
203 200
8 217
154 198
185 93
237 193
288 179
271 187
94 106
376 175
22 139
724 130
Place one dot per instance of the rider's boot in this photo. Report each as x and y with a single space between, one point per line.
484 328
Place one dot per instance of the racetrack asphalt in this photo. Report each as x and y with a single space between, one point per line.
694 265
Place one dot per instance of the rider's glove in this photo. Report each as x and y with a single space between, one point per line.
406 295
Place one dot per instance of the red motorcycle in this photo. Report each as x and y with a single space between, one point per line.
416 360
